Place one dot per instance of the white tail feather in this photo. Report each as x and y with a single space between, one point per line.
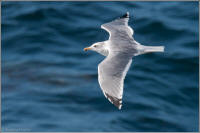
148 49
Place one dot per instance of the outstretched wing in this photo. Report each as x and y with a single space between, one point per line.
119 26
111 74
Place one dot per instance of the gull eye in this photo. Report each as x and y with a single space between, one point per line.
95 46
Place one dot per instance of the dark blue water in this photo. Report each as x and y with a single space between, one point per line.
50 84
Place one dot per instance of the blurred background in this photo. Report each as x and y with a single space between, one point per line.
50 84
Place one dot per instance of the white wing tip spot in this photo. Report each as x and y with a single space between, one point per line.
113 100
127 14
120 106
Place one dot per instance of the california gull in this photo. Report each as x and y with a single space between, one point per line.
119 50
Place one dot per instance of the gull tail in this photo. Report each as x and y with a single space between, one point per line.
148 49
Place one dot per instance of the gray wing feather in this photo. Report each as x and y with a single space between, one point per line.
118 26
112 70
111 74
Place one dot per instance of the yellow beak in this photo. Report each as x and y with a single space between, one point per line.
86 49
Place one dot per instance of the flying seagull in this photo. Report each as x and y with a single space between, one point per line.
119 50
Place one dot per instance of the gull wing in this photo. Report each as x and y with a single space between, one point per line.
111 74
119 26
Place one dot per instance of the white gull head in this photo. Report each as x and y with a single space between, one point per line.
99 47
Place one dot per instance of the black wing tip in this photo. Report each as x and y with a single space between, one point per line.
117 102
125 15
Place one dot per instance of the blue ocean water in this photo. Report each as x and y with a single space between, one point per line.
50 84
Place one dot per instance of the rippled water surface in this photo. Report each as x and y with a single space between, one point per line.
50 84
